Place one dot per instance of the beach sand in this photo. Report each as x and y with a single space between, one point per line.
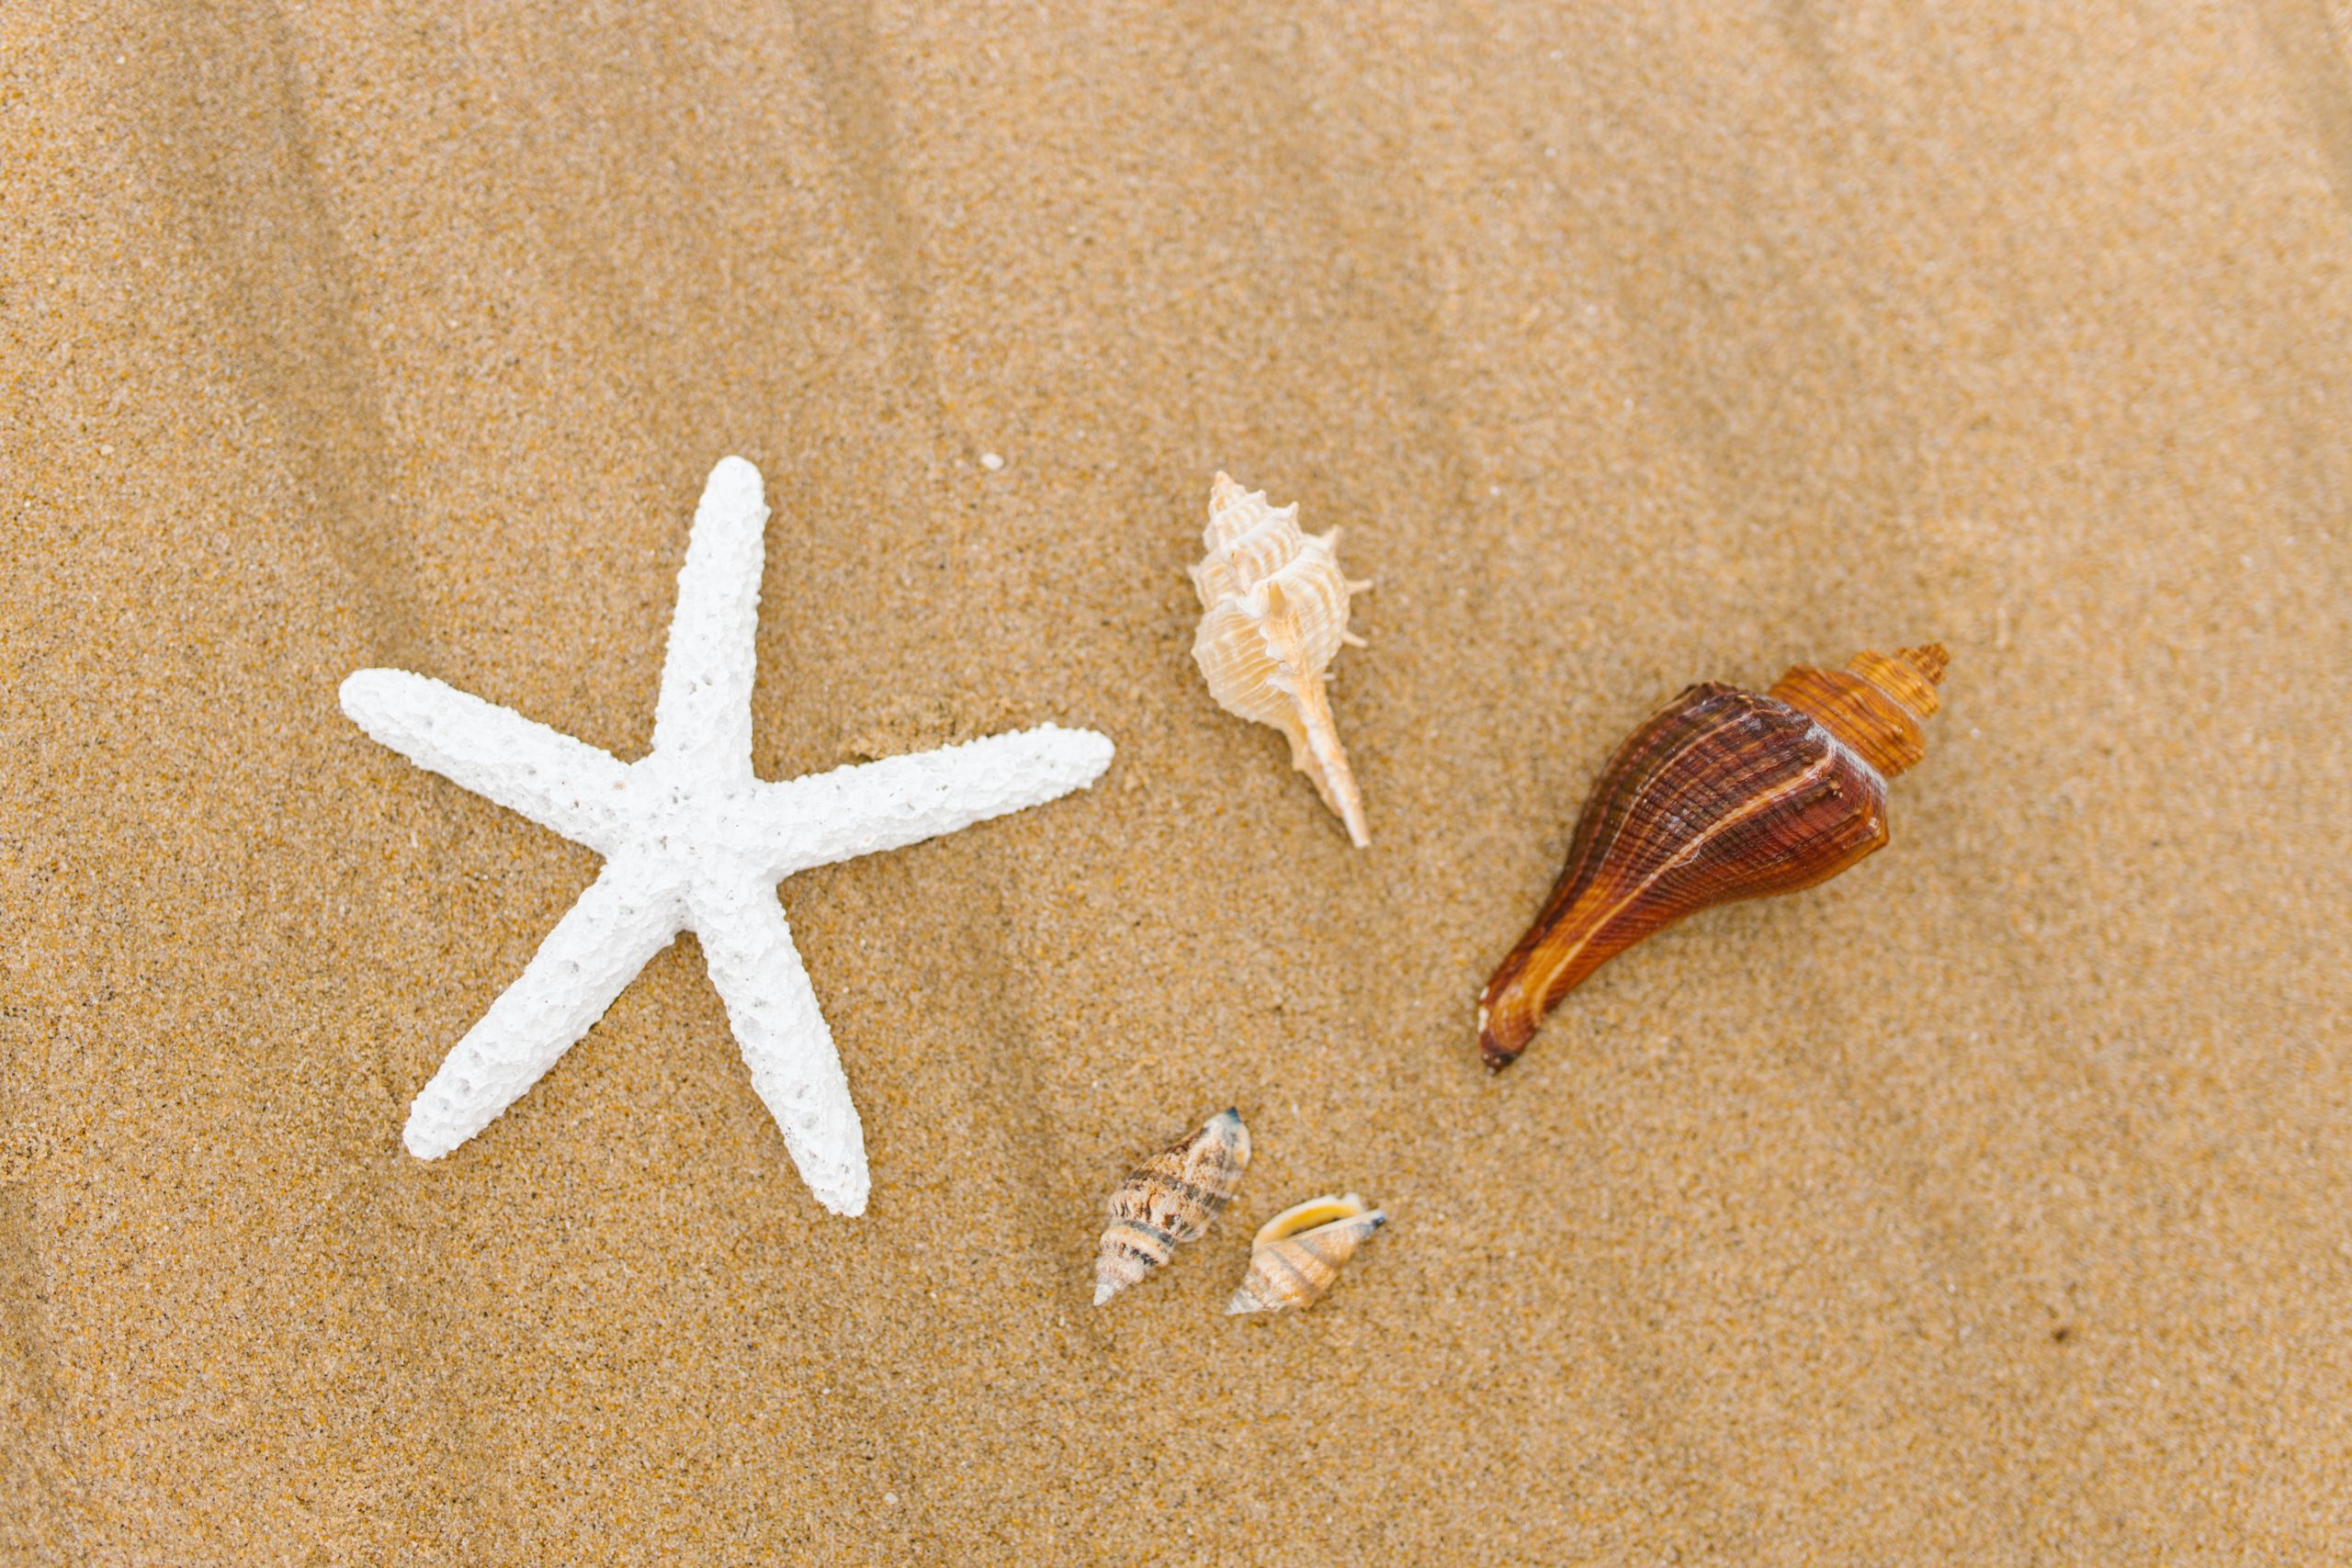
1986 1205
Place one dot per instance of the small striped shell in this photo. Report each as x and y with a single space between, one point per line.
1171 1198
1274 606
1299 1252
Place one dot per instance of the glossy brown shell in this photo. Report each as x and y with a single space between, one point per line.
1722 795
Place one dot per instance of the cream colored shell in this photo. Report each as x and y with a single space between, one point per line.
1275 612
1299 1252
1170 1199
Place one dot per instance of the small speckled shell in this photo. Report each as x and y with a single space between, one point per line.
1274 606
1299 1252
1722 795
1171 1199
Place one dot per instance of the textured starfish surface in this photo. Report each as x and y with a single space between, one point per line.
693 840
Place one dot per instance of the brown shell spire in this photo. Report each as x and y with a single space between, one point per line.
1722 795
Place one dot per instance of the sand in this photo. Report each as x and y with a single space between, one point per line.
1988 1205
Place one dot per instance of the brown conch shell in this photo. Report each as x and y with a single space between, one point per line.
1300 1251
1722 795
1171 1199
1274 606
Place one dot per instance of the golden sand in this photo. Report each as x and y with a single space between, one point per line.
1988 1205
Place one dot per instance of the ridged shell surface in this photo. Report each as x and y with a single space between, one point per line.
1171 1199
1720 795
1299 1254
1274 613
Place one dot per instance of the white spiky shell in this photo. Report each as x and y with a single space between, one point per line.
1276 613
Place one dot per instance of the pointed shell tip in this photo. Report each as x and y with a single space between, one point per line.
1931 659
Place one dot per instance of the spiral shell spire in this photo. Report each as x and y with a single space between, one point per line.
1875 704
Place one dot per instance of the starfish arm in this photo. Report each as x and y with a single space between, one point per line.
785 1040
704 715
594 950
565 786
871 806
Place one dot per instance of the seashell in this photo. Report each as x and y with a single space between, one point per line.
1722 795
1169 1199
1300 1251
1276 610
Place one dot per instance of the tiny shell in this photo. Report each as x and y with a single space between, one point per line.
1171 1198
1274 606
1299 1252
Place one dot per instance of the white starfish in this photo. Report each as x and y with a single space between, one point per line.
691 840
